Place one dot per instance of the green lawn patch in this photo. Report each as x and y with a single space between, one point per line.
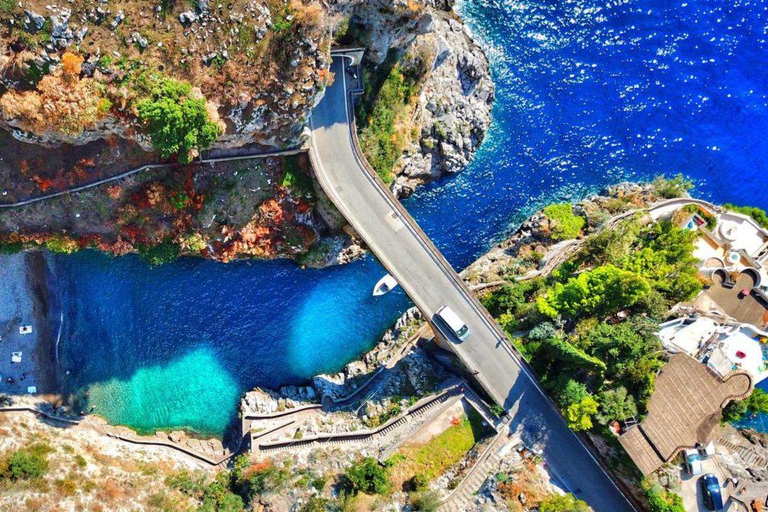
432 459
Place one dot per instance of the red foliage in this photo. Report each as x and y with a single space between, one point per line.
44 184
272 211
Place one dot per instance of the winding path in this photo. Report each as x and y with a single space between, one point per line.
429 280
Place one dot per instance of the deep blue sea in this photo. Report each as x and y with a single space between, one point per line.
588 94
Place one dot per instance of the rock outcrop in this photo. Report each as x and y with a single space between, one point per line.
262 98
453 112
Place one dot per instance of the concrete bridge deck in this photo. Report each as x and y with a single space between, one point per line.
428 279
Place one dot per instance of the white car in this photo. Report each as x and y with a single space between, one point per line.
453 322
693 462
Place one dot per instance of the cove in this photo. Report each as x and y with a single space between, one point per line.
588 94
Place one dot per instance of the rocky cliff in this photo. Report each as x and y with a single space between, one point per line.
452 111
76 72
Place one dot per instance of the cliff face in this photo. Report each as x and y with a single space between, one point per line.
453 108
93 80
260 65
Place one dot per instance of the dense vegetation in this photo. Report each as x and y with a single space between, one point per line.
384 113
599 364
756 403
178 122
661 500
566 224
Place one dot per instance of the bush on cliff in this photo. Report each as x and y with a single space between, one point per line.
159 254
368 476
566 503
26 463
566 225
177 120
601 291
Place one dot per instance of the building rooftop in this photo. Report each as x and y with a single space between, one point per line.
745 307
685 409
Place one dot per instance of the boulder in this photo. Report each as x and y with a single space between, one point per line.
33 21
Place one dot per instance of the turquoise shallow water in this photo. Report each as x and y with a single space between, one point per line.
588 94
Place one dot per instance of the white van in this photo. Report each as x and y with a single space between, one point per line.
452 320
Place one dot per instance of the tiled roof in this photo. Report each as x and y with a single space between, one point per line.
685 409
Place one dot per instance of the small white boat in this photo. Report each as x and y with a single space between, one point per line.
385 285
25 329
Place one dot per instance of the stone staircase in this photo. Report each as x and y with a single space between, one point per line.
414 412
463 495
751 456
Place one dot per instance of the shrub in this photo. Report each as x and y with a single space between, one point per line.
317 504
62 103
11 247
567 503
177 120
427 501
600 291
368 476
159 254
418 482
24 464
61 244
566 224
671 188
661 500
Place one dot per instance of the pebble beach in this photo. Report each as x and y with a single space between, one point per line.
25 301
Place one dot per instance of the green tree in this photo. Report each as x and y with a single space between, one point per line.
600 291
579 415
573 393
661 500
631 352
756 403
566 503
368 476
176 121
664 257
616 404
566 225
611 245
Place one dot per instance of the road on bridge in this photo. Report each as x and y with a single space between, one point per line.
430 281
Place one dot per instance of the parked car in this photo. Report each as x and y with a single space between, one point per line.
693 462
711 492
451 320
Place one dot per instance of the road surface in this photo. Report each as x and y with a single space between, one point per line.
430 281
